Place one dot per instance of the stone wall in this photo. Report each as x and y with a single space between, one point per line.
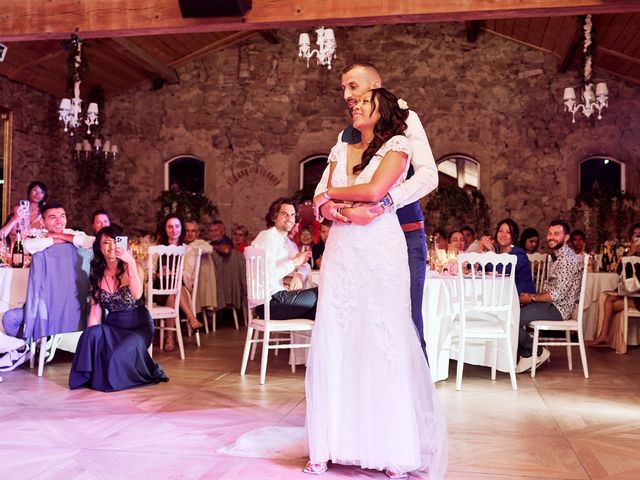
252 112
39 148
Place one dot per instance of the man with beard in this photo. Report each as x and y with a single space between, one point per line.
560 294
284 260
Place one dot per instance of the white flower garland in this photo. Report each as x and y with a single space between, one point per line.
588 25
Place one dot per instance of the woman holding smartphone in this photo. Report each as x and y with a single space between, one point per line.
112 353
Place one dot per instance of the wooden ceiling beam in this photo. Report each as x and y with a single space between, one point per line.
22 20
570 49
227 41
148 60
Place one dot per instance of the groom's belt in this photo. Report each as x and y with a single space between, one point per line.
412 226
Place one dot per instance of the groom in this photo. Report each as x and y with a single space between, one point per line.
357 79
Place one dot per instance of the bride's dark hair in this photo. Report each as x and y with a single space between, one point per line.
99 263
393 121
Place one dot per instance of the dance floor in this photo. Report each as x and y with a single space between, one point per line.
558 426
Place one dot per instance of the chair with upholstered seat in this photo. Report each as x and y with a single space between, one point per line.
258 294
567 326
486 298
165 265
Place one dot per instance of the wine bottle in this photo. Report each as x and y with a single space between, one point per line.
17 255
606 261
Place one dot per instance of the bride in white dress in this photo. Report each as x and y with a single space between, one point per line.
370 398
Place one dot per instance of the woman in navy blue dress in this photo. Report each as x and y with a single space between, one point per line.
112 352
506 239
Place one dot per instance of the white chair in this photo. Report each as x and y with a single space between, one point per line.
629 311
167 263
193 294
486 307
538 269
214 316
258 294
568 326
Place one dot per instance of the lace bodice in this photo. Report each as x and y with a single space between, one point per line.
340 178
120 300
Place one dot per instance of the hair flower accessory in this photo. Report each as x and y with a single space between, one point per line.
402 104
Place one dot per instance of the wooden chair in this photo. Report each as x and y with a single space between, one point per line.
567 326
166 264
258 294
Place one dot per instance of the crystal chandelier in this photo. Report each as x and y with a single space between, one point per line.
592 102
70 112
326 47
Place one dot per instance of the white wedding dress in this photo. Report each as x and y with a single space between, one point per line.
370 398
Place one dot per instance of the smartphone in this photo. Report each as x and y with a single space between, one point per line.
121 242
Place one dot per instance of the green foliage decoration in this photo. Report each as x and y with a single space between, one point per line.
190 206
451 207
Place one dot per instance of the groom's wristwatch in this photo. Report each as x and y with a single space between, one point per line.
387 203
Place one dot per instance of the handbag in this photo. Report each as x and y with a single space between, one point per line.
629 286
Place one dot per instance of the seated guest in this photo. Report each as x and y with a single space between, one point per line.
240 237
206 295
37 193
55 231
193 243
529 240
610 326
578 241
100 219
284 259
219 240
456 241
440 239
173 233
471 243
113 354
561 291
318 249
505 238
305 242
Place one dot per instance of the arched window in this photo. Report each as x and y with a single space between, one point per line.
184 173
311 169
459 169
603 172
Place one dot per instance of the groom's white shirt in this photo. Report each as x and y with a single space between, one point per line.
279 252
425 171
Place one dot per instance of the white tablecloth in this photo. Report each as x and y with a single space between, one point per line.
596 284
438 306
13 287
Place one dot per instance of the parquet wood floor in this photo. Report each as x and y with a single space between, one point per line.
558 426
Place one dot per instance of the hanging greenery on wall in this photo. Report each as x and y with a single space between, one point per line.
450 207
604 214
190 206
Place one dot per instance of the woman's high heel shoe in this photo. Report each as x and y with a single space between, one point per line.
195 325
315 468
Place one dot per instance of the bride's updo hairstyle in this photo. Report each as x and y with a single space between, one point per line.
393 121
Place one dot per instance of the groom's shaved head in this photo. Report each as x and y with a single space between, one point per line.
368 68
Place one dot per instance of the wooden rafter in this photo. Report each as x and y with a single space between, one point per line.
570 49
149 61
45 19
227 41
